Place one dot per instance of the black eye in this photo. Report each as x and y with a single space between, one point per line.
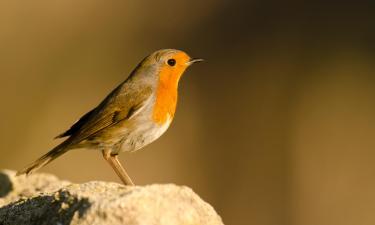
171 62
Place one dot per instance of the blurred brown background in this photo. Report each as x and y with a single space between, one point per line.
276 128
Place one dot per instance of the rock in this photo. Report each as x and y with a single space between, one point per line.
44 199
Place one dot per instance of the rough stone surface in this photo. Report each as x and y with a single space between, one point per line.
44 199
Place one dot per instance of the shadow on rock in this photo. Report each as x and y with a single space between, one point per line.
42 210
6 185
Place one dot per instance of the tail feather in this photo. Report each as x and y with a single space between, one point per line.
45 159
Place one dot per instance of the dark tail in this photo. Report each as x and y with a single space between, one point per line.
45 159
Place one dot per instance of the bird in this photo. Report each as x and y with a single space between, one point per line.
137 112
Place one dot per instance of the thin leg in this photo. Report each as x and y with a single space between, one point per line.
117 167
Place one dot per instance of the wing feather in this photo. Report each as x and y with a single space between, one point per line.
77 125
115 108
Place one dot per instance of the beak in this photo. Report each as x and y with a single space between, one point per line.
194 60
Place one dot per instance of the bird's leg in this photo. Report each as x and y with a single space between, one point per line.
117 167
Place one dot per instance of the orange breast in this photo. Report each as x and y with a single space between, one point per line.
166 95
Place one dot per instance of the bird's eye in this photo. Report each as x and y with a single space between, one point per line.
171 62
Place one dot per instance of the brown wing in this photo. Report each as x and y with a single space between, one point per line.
77 125
115 108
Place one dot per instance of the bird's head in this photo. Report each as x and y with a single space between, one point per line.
169 65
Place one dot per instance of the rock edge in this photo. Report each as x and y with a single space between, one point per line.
44 199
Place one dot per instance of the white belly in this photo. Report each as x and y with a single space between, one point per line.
143 135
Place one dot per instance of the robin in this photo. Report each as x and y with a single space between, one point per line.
133 115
